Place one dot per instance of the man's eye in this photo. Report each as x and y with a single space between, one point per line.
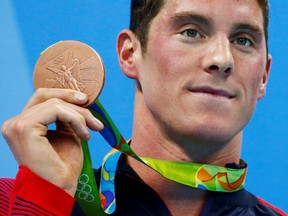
243 42
191 33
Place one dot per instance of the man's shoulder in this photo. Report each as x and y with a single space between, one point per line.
264 203
241 203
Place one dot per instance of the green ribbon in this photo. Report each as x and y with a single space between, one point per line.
87 193
209 177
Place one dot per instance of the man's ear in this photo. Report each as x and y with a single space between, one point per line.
127 49
262 89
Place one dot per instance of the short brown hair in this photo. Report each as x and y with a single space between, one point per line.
264 4
143 12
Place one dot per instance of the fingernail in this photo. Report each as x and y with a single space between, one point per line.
80 96
99 123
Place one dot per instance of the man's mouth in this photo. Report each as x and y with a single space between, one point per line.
213 91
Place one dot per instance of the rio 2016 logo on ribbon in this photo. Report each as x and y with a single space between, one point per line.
84 189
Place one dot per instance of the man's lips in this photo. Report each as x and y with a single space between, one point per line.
212 91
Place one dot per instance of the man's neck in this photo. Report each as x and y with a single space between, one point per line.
149 141
180 199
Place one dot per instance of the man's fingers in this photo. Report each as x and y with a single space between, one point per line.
68 95
55 110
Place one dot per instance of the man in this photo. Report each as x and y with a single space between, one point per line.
200 67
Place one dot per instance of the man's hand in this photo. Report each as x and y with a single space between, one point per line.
54 155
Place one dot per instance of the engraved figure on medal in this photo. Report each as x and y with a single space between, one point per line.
69 76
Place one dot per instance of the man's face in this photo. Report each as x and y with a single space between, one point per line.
205 68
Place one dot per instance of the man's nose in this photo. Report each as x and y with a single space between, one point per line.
218 57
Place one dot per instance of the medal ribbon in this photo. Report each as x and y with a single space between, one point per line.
203 176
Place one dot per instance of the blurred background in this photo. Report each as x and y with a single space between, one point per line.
28 27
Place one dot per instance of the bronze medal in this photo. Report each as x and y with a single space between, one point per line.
70 65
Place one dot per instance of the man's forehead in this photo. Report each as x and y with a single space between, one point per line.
245 11
175 6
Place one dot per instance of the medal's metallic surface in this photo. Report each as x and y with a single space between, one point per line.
70 65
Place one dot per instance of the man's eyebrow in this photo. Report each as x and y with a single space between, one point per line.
191 16
250 27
